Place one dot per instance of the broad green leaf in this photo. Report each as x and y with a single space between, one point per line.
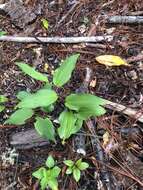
86 105
2 33
50 162
45 128
69 163
23 94
47 86
67 121
83 166
77 101
63 73
2 108
45 23
31 72
20 116
41 98
39 174
3 99
48 109
44 183
85 113
78 162
52 183
111 60
78 125
55 172
69 171
76 174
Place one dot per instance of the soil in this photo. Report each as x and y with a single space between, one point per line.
122 85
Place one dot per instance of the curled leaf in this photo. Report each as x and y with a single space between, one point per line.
111 60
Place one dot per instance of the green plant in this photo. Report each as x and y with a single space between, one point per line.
2 33
75 168
45 23
48 175
3 99
78 107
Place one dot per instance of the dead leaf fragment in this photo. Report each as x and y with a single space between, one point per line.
111 60
106 138
93 83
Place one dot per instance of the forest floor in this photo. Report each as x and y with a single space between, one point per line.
123 85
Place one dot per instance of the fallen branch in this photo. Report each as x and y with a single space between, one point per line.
125 19
67 40
125 110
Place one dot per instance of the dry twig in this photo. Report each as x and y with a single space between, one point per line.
69 40
125 110
125 19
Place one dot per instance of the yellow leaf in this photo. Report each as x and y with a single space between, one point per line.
111 60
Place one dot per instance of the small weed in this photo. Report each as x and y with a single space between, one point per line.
78 107
75 168
48 175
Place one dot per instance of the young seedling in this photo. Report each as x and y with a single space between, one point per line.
78 107
75 168
48 175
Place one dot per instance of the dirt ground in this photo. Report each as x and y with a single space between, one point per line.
122 85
